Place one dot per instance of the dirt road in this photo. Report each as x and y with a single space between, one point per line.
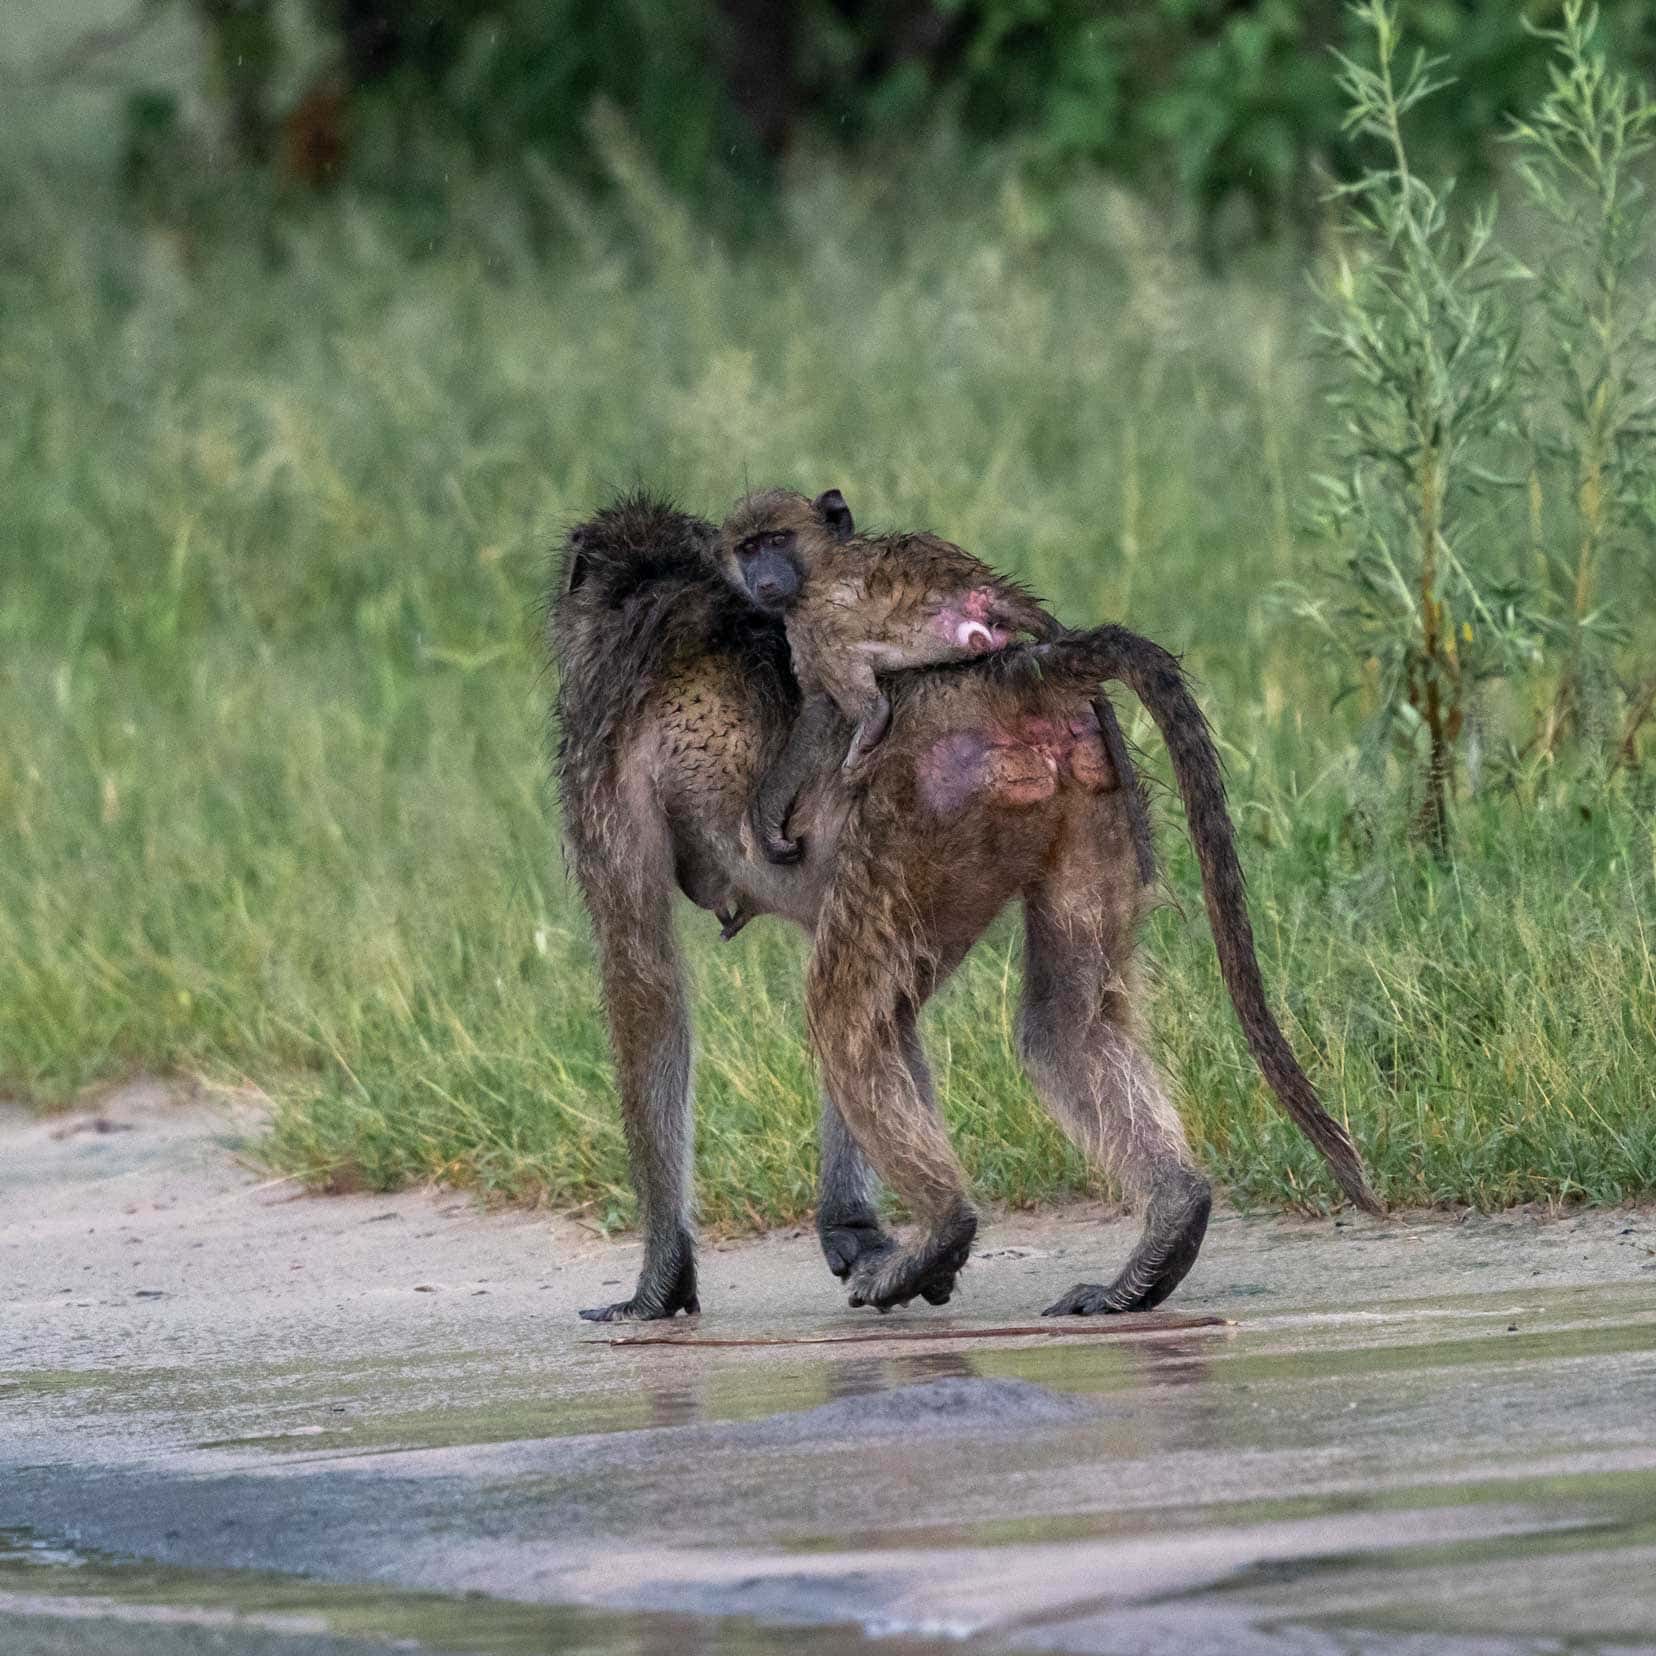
237 1418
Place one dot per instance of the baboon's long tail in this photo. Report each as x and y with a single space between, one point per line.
1154 676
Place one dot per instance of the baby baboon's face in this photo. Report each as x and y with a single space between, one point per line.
768 543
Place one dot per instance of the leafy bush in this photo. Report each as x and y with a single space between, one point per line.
1232 106
1422 325
1423 347
1592 372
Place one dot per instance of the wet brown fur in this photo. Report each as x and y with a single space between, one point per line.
994 783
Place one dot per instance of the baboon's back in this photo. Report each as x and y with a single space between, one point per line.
634 602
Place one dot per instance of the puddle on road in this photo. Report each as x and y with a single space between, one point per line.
1578 1588
491 1398
656 1388
45 1578
1593 1509
1460 1597
661 1387
1300 1417
442 1398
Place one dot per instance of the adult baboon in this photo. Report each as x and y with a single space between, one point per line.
993 784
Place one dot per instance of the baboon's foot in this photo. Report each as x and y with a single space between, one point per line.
664 1288
868 735
927 1268
851 1236
1180 1201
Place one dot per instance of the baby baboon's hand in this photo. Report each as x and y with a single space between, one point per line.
732 917
778 848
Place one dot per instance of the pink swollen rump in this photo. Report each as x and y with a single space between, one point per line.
1015 763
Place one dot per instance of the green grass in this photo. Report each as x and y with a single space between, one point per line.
273 803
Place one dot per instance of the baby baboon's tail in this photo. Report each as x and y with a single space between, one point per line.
1084 658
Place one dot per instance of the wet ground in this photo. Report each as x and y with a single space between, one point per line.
233 1419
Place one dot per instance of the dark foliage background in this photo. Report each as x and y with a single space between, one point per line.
1229 104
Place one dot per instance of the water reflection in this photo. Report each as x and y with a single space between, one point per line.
675 1636
1172 1360
677 1396
678 1401
862 1376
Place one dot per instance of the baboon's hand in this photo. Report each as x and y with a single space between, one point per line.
667 1285
885 1280
732 917
868 735
778 848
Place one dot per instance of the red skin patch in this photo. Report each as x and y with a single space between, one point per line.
1016 765
967 625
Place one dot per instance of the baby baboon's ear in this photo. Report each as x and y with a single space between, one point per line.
831 508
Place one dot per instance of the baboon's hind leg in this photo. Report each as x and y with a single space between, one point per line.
1076 1037
848 1224
862 1001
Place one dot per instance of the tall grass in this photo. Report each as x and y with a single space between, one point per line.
272 790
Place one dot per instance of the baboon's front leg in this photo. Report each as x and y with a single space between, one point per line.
811 742
650 1035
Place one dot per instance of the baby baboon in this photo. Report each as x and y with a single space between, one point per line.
993 785
853 606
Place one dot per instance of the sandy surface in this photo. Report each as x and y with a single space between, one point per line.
1436 1428
145 1210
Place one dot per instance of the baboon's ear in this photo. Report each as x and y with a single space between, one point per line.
831 508
575 564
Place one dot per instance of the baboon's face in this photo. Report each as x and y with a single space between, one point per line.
767 562
767 544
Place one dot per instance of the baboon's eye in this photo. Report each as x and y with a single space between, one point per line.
778 538
746 549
